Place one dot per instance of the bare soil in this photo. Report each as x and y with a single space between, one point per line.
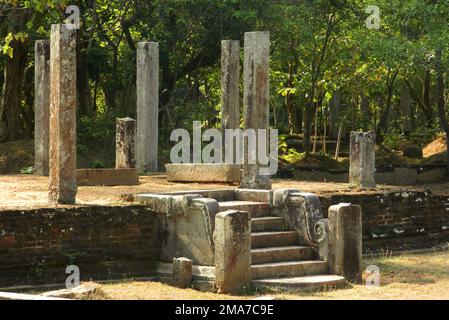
437 146
29 191
404 277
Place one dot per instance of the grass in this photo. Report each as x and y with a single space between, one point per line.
420 276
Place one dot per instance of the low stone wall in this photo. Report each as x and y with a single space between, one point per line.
399 220
405 175
37 245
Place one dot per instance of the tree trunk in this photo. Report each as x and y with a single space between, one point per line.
426 97
11 96
291 113
366 114
85 105
334 107
405 110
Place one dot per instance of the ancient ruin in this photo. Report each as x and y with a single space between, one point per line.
62 135
150 168
362 159
42 107
147 106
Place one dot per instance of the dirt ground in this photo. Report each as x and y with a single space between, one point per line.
27 191
404 277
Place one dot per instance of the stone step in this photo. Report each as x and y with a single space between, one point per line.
277 254
288 269
267 224
305 282
268 239
256 209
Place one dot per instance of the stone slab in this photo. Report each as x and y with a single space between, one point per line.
107 177
203 172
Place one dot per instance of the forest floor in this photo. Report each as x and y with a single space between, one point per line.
29 191
408 277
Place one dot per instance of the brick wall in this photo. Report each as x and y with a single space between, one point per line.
399 220
36 246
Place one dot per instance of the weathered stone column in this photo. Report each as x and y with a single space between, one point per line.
41 106
63 186
362 159
125 146
232 238
230 84
256 74
345 241
147 106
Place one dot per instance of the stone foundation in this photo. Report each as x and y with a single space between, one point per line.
104 242
203 172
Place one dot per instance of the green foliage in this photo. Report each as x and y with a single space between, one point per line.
319 47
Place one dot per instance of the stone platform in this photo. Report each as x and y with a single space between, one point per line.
203 172
107 177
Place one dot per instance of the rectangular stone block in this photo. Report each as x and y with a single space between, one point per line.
125 146
362 159
62 186
232 239
41 107
253 195
230 84
345 241
256 82
203 172
182 272
147 106
107 177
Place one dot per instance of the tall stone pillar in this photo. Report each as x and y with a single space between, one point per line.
256 75
125 146
63 186
41 106
147 106
230 84
345 241
232 239
362 159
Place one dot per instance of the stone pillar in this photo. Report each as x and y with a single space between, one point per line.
147 106
362 159
345 241
230 84
256 73
182 272
63 186
232 238
125 145
41 106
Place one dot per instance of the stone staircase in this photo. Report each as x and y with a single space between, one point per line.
278 259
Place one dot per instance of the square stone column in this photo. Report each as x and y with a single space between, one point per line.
62 188
256 75
41 107
345 241
230 84
125 145
362 159
182 272
147 106
232 239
